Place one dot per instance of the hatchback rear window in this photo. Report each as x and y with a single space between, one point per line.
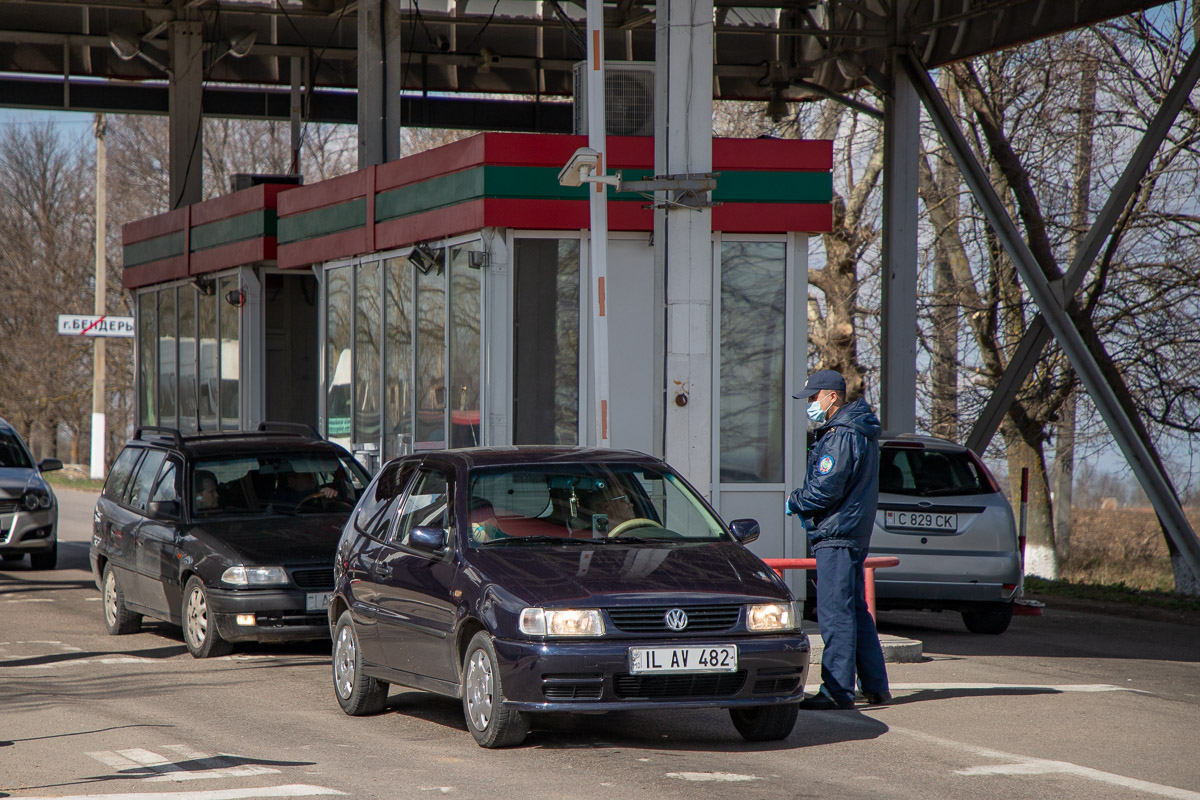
923 472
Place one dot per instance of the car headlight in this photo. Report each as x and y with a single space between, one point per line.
562 622
255 576
771 617
35 499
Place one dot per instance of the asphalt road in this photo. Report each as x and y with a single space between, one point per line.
1069 705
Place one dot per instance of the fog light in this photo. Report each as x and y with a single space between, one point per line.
246 619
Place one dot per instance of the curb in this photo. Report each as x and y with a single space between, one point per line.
896 649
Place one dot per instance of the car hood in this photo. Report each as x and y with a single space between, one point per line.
273 541
722 572
15 480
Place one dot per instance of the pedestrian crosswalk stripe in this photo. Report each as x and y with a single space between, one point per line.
288 790
195 765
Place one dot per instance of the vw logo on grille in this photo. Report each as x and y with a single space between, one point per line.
676 619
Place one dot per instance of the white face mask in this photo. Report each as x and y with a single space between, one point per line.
815 412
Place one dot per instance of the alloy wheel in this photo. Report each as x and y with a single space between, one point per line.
197 617
344 653
479 689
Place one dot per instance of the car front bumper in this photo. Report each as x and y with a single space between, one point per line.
280 615
24 531
594 676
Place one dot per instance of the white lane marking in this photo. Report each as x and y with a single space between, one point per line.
1026 765
288 790
719 777
1086 688
168 770
32 600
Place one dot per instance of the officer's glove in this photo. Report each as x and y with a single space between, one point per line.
787 507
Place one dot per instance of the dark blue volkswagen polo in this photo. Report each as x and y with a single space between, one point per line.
527 580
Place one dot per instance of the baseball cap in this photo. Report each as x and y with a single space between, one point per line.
822 379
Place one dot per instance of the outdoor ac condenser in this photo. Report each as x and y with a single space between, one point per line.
628 98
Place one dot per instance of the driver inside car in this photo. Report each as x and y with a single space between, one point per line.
298 488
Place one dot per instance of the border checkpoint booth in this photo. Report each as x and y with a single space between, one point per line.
442 300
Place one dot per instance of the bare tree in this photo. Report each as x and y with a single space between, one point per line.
45 267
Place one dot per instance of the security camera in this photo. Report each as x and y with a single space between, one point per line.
582 163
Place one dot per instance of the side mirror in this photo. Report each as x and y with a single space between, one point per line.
163 508
50 464
744 530
428 539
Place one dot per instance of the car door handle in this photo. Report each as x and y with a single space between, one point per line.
382 572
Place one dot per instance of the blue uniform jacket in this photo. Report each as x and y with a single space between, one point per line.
841 489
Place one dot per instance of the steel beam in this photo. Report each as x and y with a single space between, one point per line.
1140 459
898 356
186 168
683 146
1038 335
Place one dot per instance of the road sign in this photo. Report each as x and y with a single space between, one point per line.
92 325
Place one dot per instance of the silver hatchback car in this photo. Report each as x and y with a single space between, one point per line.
943 514
28 507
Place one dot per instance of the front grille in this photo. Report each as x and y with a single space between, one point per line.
572 687
313 578
9 506
652 619
657 687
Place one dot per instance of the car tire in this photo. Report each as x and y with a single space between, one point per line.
357 693
765 723
117 618
46 560
491 722
991 618
200 632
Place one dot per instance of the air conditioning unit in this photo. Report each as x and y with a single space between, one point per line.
628 98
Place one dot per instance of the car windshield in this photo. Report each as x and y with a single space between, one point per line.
923 472
12 453
596 502
292 483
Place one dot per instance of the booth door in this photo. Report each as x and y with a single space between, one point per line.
631 356
760 288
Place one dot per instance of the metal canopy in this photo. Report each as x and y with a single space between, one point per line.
59 54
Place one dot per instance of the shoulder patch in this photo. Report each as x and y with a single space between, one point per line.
825 465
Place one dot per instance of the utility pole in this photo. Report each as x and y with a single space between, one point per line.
99 427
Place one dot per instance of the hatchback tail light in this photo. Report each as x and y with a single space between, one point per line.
984 471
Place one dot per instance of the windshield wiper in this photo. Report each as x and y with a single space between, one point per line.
538 540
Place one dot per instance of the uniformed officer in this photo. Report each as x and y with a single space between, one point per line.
837 507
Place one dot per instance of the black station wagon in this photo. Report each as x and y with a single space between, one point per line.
528 580
230 536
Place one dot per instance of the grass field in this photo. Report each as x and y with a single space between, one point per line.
1119 546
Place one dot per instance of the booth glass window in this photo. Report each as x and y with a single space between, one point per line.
752 361
430 309
397 379
147 369
546 341
168 335
367 330
187 359
231 362
338 355
209 366
465 319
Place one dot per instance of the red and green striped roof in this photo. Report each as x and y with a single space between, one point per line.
505 180
510 180
227 231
